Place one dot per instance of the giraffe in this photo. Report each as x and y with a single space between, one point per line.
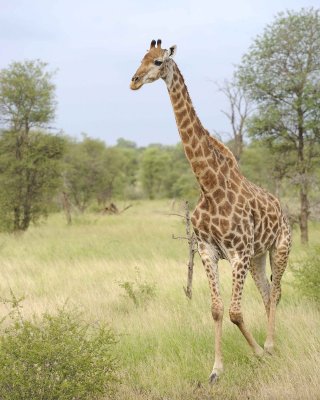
233 220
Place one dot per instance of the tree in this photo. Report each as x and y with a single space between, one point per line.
238 113
119 172
164 172
281 74
28 158
26 96
28 183
180 181
94 171
154 168
126 144
260 156
84 170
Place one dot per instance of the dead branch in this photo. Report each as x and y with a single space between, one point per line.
112 209
125 209
177 215
192 243
179 237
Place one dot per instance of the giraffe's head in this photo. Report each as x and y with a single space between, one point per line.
154 65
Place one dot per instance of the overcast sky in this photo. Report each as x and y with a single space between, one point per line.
96 46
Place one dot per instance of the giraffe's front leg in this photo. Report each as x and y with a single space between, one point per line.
218 364
210 261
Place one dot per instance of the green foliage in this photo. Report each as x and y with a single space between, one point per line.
83 169
139 291
94 171
165 172
180 181
256 159
126 144
260 156
55 357
284 60
120 173
154 169
29 179
308 275
26 95
185 187
281 73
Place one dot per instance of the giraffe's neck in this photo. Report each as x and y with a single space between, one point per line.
207 156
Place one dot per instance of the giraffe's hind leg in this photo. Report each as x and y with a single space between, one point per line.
240 268
278 259
258 272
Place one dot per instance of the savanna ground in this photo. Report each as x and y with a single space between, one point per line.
165 345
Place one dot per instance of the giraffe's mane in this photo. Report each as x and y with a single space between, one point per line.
223 150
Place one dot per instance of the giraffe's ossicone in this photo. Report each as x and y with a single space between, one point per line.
234 219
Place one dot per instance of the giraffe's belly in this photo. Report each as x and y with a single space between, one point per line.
266 231
227 236
237 237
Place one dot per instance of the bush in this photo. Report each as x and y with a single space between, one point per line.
55 357
308 275
138 291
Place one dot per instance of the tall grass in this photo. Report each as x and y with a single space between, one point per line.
165 347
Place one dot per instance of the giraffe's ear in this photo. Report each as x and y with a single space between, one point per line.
172 51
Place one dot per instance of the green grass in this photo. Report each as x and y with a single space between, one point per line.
166 345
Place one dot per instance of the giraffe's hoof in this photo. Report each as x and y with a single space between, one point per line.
268 348
259 352
214 376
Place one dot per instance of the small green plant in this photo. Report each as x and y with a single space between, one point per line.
55 357
138 291
308 275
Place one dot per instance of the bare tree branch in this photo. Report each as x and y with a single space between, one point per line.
239 110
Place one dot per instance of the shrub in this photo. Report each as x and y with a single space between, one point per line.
138 291
308 275
56 357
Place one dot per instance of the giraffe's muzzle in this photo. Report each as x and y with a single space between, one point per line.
136 82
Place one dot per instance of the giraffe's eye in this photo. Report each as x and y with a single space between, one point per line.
157 63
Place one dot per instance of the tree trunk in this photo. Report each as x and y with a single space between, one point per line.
277 186
26 200
16 220
303 179
66 207
304 215
26 217
238 140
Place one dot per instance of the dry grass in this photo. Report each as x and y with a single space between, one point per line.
166 345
